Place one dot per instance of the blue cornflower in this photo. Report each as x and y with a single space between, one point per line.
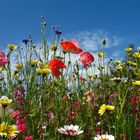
25 41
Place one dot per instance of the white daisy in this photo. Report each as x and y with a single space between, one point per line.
104 137
71 130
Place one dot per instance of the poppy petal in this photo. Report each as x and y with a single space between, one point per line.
56 63
55 72
86 58
78 50
71 47
75 43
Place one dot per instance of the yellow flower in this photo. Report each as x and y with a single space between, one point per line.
59 57
110 107
33 62
119 68
43 71
46 71
54 48
131 63
8 131
101 67
43 65
104 107
16 76
3 130
118 62
12 47
5 101
39 71
15 72
136 83
100 54
136 55
92 76
128 50
19 66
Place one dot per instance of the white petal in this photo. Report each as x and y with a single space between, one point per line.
80 132
71 127
62 131
66 127
76 127
98 137
72 134
95 138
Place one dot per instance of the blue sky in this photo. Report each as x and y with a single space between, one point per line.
118 19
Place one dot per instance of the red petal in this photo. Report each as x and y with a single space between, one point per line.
75 43
78 50
70 46
55 72
86 58
56 63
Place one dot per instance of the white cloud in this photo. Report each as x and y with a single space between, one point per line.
92 40
116 54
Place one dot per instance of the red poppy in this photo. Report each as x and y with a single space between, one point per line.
70 46
3 58
82 78
86 58
56 64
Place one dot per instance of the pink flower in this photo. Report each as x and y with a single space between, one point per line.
50 114
22 90
133 99
15 115
28 138
77 104
3 58
18 96
22 125
72 116
65 97
82 78
16 93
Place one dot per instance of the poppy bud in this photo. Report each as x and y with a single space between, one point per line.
104 42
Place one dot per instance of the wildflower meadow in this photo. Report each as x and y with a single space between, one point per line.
56 90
